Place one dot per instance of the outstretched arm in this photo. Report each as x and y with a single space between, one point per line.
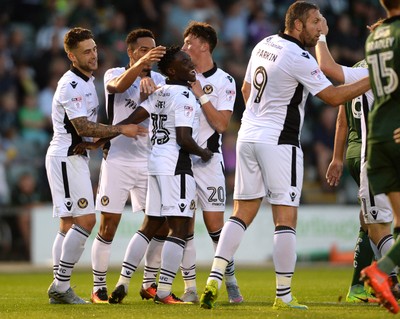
84 127
125 80
340 94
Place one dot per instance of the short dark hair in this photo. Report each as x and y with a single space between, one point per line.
204 31
138 33
74 36
298 10
167 59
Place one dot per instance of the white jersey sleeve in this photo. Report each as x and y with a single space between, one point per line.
75 97
76 100
220 88
281 74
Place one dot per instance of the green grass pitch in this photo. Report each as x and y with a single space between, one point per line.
322 287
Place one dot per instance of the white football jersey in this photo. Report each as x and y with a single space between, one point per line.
220 88
169 107
125 150
352 75
75 97
282 74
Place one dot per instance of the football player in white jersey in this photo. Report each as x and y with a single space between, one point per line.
216 91
376 209
124 168
74 113
171 187
279 77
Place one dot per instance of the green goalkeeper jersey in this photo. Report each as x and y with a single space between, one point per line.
383 58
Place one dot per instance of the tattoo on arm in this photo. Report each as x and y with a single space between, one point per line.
91 129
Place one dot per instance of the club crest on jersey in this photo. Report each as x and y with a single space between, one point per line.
105 200
192 205
208 89
73 84
82 203
188 110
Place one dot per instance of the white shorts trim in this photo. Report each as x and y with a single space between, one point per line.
273 171
116 183
171 196
70 185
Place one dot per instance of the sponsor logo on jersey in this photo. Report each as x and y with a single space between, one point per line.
82 203
272 195
68 204
374 213
317 74
186 94
129 103
105 200
230 79
160 104
230 95
305 55
293 196
188 110
208 89
182 207
73 84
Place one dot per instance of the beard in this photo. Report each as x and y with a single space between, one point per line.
308 40
88 67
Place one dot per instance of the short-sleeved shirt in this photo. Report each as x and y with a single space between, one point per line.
75 97
125 150
220 88
169 107
274 111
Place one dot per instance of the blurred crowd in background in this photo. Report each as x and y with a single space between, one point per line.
32 60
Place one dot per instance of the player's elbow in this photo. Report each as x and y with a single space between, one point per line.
220 129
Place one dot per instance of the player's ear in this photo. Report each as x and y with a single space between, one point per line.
298 25
205 46
71 56
171 71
